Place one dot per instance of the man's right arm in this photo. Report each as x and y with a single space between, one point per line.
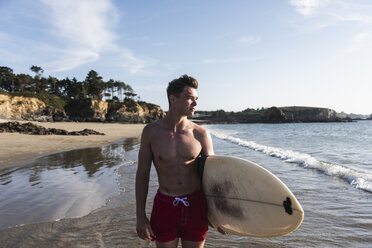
142 184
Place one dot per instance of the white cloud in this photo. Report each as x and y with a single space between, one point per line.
85 30
334 10
83 22
361 37
72 58
248 40
347 15
307 7
130 62
360 42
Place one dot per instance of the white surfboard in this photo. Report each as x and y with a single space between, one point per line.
246 199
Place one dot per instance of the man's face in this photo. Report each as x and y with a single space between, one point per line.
186 103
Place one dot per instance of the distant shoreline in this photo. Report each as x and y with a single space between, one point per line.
292 114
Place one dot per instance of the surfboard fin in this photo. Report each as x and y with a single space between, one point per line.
287 204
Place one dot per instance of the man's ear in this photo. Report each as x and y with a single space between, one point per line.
172 98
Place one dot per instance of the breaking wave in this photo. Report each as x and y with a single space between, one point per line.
359 179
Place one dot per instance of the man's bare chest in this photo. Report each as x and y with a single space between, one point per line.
171 145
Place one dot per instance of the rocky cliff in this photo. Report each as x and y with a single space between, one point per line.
34 109
299 114
134 112
86 110
28 108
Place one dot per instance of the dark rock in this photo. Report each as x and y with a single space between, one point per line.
30 128
86 110
273 115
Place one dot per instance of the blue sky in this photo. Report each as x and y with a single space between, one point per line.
245 54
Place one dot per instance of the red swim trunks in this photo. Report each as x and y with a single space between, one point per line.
182 216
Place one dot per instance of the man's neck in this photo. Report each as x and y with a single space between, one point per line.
176 122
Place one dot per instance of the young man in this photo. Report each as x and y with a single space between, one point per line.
173 144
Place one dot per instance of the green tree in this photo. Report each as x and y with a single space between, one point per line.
81 89
110 85
119 86
219 113
65 87
95 85
41 85
130 95
24 82
53 85
73 89
38 70
7 79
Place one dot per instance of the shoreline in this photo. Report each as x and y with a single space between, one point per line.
18 149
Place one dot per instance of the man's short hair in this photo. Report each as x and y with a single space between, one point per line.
176 86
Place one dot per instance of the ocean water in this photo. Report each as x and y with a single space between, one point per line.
85 198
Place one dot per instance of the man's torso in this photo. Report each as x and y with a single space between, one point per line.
174 153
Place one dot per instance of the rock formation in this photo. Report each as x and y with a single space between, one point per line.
273 115
309 114
133 112
86 110
30 128
299 114
28 108
34 109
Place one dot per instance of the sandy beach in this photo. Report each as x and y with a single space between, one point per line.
18 148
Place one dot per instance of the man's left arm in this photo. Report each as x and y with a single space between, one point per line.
206 142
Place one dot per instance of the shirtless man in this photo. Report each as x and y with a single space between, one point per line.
173 144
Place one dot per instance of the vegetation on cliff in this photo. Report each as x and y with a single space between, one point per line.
70 99
93 87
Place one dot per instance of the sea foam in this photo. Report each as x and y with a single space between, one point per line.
359 179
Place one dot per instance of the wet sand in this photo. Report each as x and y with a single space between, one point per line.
16 149
78 198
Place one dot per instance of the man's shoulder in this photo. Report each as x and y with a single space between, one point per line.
149 131
152 126
199 129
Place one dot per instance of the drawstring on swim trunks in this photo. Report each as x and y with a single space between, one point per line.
183 200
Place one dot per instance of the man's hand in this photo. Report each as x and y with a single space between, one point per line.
144 230
219 229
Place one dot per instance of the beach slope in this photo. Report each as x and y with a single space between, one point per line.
18 148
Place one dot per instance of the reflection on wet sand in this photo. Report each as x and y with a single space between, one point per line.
106 228
67 184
